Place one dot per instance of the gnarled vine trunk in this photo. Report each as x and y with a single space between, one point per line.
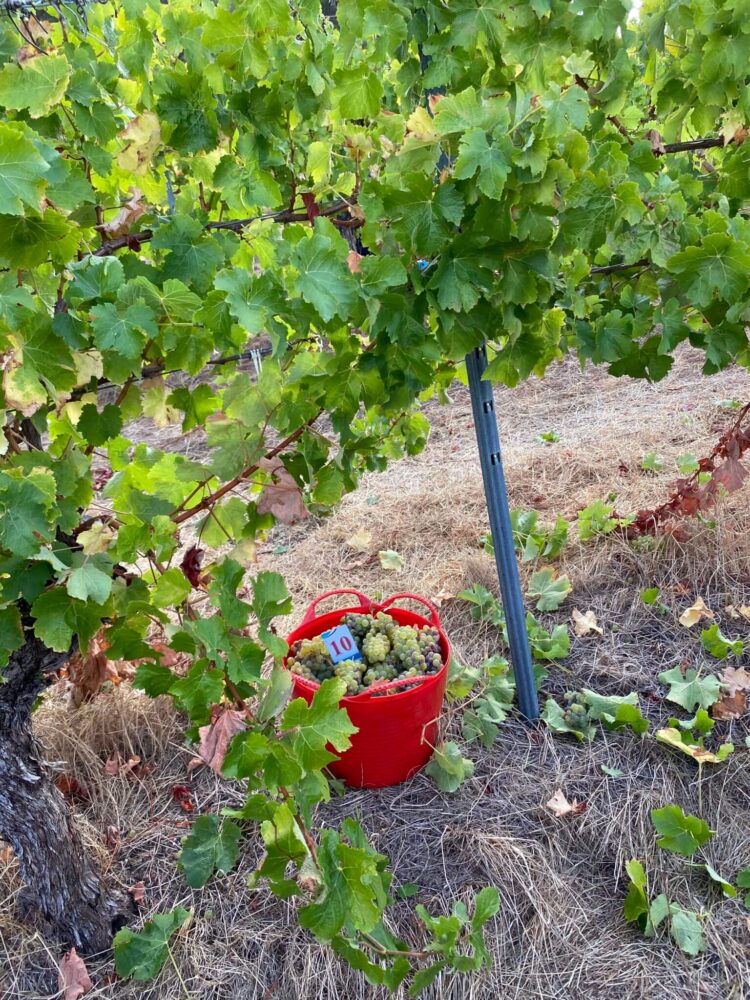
63 893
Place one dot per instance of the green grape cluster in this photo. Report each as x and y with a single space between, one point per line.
389 651
350 672
575 714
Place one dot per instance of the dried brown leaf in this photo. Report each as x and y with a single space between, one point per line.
584 623
138 892
352 260
735 679
128 215
730 706
215 738
282 497
692 615
73 978
559 806
731 474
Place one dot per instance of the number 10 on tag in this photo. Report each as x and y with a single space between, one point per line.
340 644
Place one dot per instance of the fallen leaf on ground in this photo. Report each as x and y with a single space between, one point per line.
443 595
215 737
129 214
117 765
585 623
391 560
73 977
112 837
731 706
673 739
72 788
735 679
282 497
559 805
360 541
138 892
183 796
692 615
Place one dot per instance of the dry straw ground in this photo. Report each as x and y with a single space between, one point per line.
560 932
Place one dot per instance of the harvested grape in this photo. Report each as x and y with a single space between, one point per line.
390 651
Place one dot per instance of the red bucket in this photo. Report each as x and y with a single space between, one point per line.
396 734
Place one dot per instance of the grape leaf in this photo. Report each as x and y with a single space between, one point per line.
448 767
691 690
211 846
141 955
679 833
549 589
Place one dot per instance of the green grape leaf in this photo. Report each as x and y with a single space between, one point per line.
141 955
718 645
448 767
691 690
549 589
22 170
324 279
679 833
686 931
38 84
315 725
211 846
491 161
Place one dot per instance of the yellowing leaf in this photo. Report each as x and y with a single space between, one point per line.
692 615
360 541
97 538
585 623
673 738
391 560
141 138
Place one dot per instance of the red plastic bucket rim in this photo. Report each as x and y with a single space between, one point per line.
368 606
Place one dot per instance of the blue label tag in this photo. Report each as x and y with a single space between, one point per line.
340 644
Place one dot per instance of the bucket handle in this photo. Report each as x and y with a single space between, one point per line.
364 602
414 597
399 682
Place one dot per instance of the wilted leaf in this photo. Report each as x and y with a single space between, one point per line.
138 893
731 474
96 539
673 738
391 560
128 215
735 679
282 497
692 615
559 806
360 541
730 706
87 672
191 565
215 738
183 796
73 977
584 623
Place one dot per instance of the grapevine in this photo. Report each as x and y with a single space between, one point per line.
371 192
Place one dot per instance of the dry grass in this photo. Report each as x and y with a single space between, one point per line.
560 932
